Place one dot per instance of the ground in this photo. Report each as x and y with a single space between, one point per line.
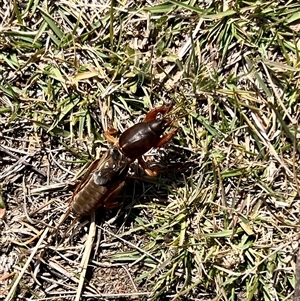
221 220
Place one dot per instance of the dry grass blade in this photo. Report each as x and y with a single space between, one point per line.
86 257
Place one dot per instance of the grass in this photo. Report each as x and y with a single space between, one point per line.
221 221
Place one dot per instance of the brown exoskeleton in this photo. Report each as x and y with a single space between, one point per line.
105 177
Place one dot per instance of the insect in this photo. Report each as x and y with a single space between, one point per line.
105 177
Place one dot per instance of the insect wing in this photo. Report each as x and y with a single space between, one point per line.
112 169
104 176
88 174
